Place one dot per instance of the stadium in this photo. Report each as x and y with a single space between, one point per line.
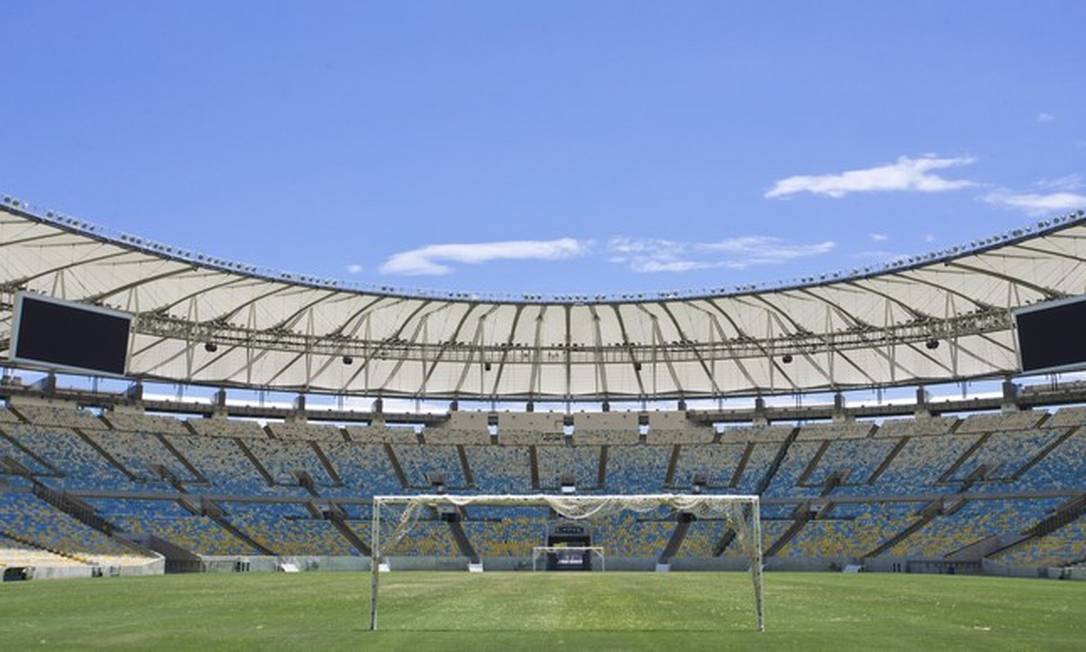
100 483
816 442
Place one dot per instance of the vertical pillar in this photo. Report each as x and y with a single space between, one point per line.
756 563
375 562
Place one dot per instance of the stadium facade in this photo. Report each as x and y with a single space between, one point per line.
95 480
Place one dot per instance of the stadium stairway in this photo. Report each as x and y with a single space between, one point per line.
801 481
339 521
1067 513
885 464
184 461
106 455
87 515
73 507
672 462
601 473
397 468
945 506
533 464
742 466
802 514
260 468
334 515
456 529
678 535
327 464
1043 453
929 512
963 458
729 535
214 511
39 460
465 467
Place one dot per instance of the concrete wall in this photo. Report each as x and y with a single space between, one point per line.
153 567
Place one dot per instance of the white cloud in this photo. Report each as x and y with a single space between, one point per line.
1066 182
658 255
354 268
1045 117
912 174
879 237
1037 204
928 237
429 260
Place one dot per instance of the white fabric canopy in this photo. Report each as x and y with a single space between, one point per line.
859 328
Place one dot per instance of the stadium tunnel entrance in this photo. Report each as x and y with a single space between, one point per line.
569 533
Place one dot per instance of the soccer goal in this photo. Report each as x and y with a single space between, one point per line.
740 512
542 551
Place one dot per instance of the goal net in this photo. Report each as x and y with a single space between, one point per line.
741 514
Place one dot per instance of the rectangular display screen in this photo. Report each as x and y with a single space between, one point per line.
1052 337
69 335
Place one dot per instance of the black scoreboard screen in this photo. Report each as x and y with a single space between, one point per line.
1052 336
69 336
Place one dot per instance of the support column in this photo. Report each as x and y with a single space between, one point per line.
756 564
375 562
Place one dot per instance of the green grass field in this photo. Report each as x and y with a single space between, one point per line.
544 611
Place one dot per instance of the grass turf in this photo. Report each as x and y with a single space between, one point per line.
545 611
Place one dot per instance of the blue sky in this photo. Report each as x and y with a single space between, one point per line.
548 147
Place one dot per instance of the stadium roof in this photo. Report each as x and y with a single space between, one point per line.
871 327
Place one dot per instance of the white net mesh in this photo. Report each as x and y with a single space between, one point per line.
734 510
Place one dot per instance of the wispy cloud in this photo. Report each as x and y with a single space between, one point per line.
354 268
906 174
1045 117
1066 182
432 260
658 255
1037 204
879 237
1048 196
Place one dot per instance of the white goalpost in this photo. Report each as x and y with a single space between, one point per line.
740 512
538 551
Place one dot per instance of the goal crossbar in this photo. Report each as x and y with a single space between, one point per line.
737 509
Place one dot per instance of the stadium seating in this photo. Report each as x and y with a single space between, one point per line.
633 469
60 415
424 463
365 470
222 462
305 431
116 463
283 459
1064 546
168 520
556 462
139 454
288 529
500 469
83 467
28 517
223 427
145 423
